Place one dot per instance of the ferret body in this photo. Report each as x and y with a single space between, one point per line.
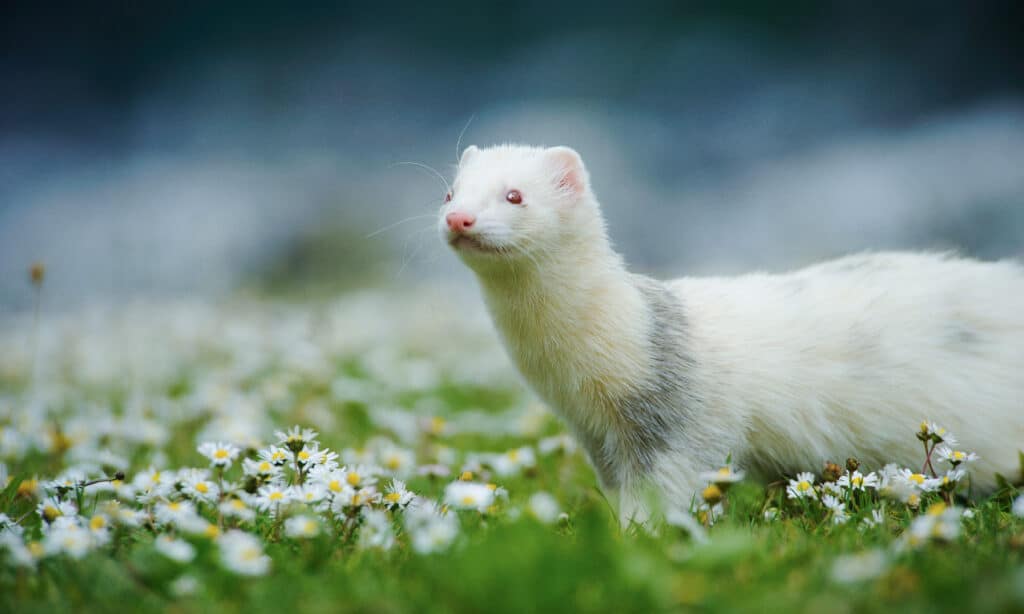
662 380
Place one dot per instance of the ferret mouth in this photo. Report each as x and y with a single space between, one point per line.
471 244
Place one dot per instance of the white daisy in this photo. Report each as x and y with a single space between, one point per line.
940 522
309 494
836 507
558 443
954 457
858 481
175 513
856 568
937 433
376 531
331 480
272 496
469 495
236 508
397 461
68 538
1018 507
295 437
435 470
920 481
17 552
153 484
221 454
51 509
361 476
397 496
175 549
301 527
543 506
802 487
874 519
512 462
242 553
275 456
261 468
723 475
430 529
196 484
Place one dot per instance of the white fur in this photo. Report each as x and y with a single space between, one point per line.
842 359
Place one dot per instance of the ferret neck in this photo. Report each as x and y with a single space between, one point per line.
565 278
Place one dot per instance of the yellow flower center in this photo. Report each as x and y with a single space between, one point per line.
174 506
36 549
513 455
353 479
277 456
803 486
334 485
712 494
250 554
958 455
220 454
211 531
275 496
50 512
466 476
264 467
202 487
857 480
303 455
97 523
155 478
917 478
724 471
393 462
492 487
913 500
393 497
936 509
468 500
436 425
356 499
28 487
237 504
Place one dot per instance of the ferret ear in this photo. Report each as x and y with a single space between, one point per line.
468 153
568 170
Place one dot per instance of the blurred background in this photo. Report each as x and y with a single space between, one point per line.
202 149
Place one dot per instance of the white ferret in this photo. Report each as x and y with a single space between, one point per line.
662 380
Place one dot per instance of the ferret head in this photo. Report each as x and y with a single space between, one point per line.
512 205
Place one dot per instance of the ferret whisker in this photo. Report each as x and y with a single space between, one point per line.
398 223
523 250
406 261
447 186
458 142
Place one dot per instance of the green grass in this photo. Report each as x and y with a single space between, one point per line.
504 561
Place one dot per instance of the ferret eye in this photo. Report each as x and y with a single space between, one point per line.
448 197
515 197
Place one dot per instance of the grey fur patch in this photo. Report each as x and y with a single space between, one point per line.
660 406
963 337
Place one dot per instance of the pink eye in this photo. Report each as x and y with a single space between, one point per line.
448 197
515 197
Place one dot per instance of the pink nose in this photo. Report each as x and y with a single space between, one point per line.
459 221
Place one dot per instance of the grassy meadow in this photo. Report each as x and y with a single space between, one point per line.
377 453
